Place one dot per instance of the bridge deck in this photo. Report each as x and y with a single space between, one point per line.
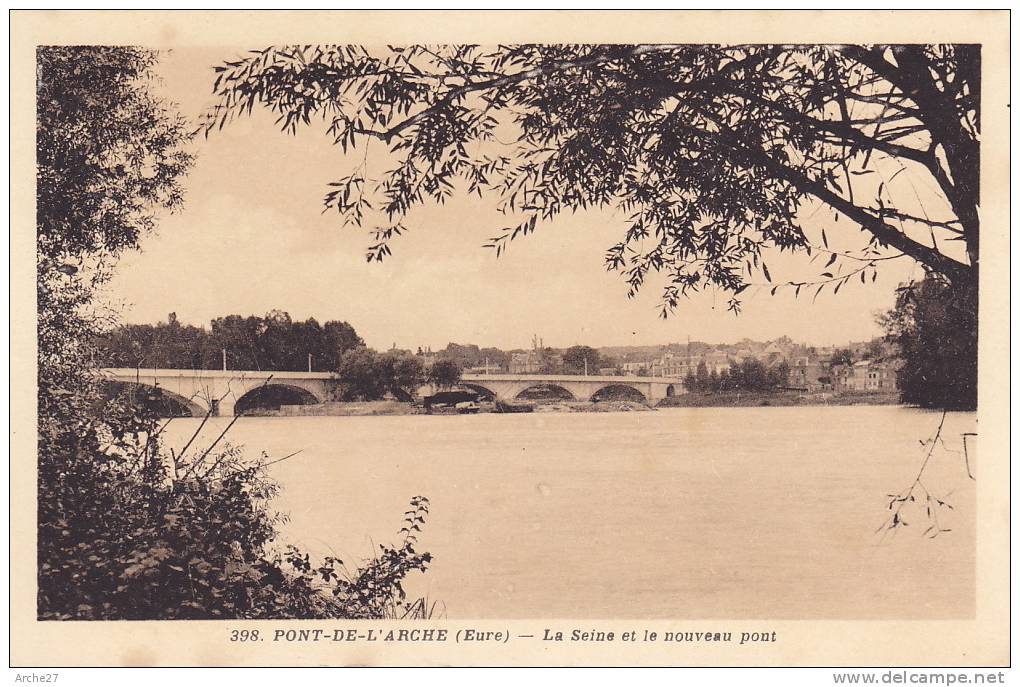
144 372
601 379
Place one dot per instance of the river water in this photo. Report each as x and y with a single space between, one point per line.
680 513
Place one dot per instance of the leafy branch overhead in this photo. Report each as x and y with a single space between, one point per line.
714 153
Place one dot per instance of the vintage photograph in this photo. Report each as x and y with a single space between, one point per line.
458 331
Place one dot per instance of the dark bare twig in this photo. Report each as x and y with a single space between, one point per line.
205 419
932 503
237 472
966 456
219 438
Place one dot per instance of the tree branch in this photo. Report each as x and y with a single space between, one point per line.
913 78
885 233
548 68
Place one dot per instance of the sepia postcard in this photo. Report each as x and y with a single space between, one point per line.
521 338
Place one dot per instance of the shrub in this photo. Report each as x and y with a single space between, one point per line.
934 323
128 532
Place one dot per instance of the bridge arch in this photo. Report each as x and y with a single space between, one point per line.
273 395
486 393
166 403
544 391
619 392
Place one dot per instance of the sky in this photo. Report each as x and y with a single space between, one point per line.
252 237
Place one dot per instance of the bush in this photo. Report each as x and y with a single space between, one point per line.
127 532
935 326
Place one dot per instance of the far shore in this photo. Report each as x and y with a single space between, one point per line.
724 399
370 408
688 400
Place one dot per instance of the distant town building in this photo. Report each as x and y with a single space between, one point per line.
809 373
811 368
636 368
679 366
427 357
525 363
866 376
529 362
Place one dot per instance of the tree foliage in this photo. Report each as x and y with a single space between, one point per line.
715 153
124 530
843 356
195 537
934 324
365 375
108 151
750 374
580 360
471 355
109 155
271 342
406 374
444 373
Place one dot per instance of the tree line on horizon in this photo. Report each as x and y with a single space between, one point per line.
270 342
275 341
932 332
749 374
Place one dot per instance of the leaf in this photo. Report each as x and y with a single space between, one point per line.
832 259
825 240
765 270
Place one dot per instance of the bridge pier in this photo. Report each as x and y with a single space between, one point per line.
223 407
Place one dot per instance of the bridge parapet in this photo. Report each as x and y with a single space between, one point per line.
131 373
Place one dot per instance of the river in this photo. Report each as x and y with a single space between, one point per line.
680 513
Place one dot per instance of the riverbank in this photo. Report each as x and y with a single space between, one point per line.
739 399
393 408
728 399
590 407
347 409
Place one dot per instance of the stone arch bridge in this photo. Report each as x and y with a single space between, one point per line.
224 390
580 387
